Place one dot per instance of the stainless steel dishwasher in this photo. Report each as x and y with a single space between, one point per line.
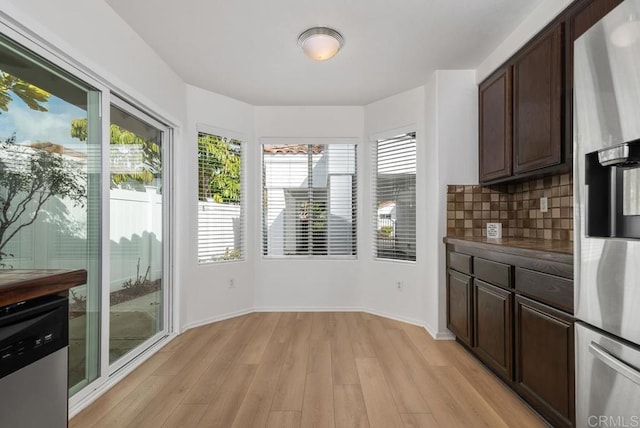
33 363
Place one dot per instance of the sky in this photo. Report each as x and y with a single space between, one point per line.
52 126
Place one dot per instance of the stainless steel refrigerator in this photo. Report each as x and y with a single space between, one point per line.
607 220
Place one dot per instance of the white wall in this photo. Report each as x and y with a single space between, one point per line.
431 306
541 16
305 284
457 126
443 114
206 292
385 118
451 98
94 36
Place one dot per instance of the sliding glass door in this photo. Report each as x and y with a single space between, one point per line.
136 221
84 185
50 187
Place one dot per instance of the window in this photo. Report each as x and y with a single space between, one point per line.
220 199
394 211
309 199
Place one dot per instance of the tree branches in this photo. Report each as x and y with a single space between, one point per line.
28 179
218 168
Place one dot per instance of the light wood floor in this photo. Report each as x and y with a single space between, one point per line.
308 370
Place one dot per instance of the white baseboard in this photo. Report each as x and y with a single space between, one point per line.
308 309
439 335
216 318
393 317
443 335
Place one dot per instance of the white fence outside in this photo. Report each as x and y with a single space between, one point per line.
58 237
219 232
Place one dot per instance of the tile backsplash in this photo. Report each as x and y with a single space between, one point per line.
516 206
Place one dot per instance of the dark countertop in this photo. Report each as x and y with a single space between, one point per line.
547 249
19 285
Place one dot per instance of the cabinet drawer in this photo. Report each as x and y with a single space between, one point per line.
492 272
549 289
460 262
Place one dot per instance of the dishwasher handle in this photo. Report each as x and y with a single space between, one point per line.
6 332
614 362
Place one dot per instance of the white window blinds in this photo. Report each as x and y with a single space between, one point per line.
394 210
220 199
309 199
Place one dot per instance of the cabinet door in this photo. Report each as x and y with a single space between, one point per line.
459 305
494 98
545 360
585 13
492 327
537 103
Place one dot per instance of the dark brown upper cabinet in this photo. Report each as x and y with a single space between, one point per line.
495 126
537 103
526 106
583 14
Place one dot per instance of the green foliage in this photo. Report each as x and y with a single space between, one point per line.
230 254
385 231
218 169
317 215
30 94
29 177
77 301
151 152
140 283
18 186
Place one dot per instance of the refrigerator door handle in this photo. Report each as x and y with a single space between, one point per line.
616 364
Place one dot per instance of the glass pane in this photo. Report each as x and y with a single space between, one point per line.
631 189
220 199
309 199
136 302
395 203
49 187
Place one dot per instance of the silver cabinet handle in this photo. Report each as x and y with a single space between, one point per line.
616 364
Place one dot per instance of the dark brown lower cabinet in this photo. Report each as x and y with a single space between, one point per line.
459 299
493 308
544 360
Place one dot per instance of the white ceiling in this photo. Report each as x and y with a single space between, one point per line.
247 49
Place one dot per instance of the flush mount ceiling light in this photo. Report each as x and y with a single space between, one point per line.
320 43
